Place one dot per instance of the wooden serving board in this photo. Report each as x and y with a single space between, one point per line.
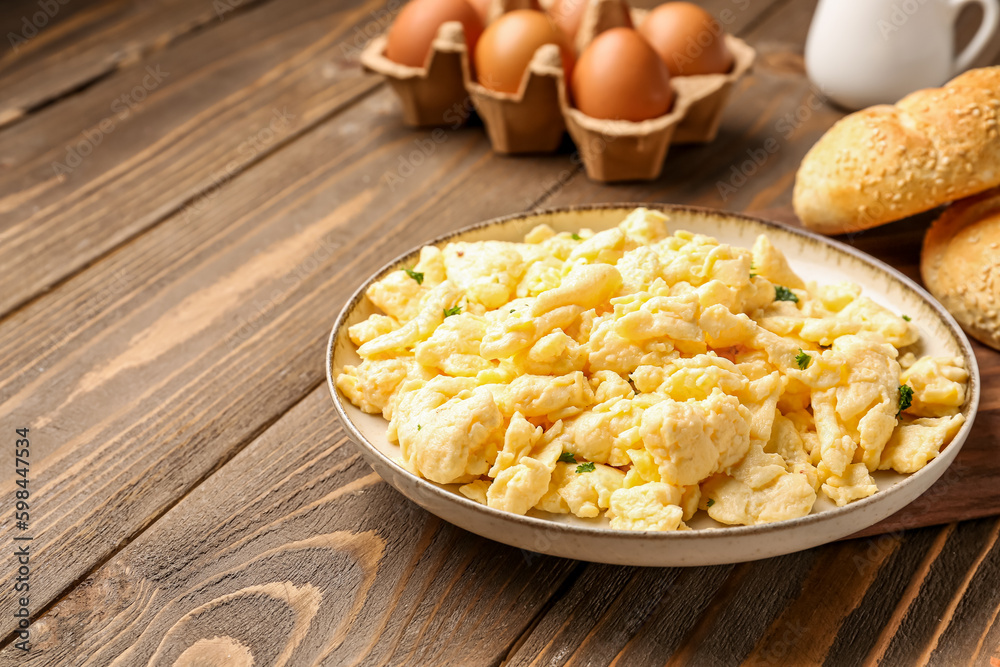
970 488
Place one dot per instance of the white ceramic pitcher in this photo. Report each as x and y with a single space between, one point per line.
864 52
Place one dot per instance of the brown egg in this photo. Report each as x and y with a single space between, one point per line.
482 8
508 45
620 77
567 14
688 39
413 31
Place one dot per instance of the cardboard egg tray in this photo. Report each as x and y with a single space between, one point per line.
533 120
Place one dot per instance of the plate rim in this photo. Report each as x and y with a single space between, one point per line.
603 532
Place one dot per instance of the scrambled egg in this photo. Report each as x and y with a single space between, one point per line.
645 376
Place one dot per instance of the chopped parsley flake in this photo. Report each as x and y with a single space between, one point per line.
784 294
575 236
906 317
454 310
567 457
905 397
585 467
416 275
418 427
802 359
753 275
711 501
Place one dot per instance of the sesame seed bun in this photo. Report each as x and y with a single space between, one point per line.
960 264
888 162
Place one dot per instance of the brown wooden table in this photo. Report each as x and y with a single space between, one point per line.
189 189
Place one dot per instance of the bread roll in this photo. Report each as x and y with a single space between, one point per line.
960 264
888 162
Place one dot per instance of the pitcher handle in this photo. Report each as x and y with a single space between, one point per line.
988 27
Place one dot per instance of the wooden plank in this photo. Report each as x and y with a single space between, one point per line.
53 47
88 174
116 330
257 256
148 370
971 617
21 23
929 591
297 549
619 602
825 606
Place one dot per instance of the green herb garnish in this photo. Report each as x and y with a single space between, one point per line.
454 310
575 236
418 427
416 275
905 397
585 467
906 317
802 359
567 457
784 294
711 501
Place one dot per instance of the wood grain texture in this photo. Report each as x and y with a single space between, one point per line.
824 606
56 47
89 174
195 486
296 553
147 371
125 344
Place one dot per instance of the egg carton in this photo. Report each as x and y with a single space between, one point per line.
530 121
429 95
534 119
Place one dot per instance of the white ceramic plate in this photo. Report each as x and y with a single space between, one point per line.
813 257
